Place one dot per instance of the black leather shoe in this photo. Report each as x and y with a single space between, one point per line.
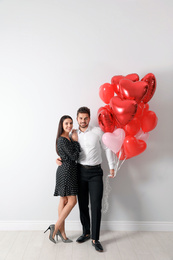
83 238
97 246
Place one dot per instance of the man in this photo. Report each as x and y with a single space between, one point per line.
90 176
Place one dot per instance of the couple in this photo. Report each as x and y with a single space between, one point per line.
83 178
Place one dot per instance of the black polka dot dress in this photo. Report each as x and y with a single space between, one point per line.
66 174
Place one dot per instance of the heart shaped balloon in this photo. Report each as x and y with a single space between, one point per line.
151 81
133 90
114 140
133 77
115 82
142 136
106 119
106 92
146 108
133 147
124 110
142 108
133 127
149 121
116 79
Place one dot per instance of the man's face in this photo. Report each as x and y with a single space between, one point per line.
83 120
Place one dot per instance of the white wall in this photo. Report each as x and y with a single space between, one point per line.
54 55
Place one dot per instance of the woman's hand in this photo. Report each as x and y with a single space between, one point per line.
74 135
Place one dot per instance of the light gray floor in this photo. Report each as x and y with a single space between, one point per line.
35 245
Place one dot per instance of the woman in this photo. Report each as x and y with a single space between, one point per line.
66 176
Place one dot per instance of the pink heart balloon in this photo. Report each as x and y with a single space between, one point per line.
142 136
114 140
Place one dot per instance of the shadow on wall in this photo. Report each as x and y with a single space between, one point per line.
138 174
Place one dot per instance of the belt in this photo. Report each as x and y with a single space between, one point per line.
89 166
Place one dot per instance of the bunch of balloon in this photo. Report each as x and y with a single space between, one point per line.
126 119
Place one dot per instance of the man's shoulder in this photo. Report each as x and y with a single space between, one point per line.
96 130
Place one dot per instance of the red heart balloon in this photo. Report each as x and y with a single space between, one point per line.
142 108
115 82
116 79
133 146
133 77
133 127
148 121
133 90
151 80
106 119
106 92
146 108
124 110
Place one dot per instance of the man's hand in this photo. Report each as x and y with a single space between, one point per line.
58 161
112 172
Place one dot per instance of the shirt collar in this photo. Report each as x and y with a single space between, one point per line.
87 130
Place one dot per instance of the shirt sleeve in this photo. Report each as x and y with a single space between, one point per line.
109 154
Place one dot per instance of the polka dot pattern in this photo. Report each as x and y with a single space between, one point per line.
66 174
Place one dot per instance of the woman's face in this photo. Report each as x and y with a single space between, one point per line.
67 125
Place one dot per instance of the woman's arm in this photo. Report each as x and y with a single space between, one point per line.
72 151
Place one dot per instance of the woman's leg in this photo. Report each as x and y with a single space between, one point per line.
65 212
63 201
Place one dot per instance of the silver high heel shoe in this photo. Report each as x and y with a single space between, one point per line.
63 239
52 228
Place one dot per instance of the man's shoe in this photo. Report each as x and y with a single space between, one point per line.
83 238
97 246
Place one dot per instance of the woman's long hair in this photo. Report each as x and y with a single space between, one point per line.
60 129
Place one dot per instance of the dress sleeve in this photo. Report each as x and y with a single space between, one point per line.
70 149
77 146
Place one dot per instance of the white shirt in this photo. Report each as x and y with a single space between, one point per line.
91 148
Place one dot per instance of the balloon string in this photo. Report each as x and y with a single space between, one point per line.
107 190
107 187
119 156
118 161
122 163
118 165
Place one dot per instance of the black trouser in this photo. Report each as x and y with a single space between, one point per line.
90 181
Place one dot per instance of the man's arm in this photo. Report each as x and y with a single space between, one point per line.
111 160
110 157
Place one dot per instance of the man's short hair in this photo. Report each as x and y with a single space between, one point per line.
85 110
